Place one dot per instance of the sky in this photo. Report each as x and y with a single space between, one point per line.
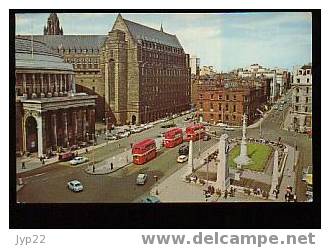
224 40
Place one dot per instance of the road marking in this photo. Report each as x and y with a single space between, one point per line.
35 175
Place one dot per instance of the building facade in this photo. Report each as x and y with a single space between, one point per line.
301 117
226 101
49 113
194 65
139 74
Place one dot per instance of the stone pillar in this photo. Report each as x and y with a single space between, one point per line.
49 94
56 86
84 124
24 85
275 173
61 84
75 126
65 83
223 179
54 129
34 95
190 158
41 134
243 158
42 90
65 120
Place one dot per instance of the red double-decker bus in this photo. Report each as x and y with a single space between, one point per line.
144 151
173 137
195 132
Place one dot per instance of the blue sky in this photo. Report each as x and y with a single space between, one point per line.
226 40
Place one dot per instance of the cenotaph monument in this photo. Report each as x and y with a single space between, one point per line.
223 179
243 158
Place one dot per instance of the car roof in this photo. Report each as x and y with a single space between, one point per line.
182 156
74 181
141 175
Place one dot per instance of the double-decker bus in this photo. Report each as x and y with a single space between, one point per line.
144 151
173 137
195 132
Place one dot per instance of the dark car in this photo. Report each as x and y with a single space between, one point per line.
184 150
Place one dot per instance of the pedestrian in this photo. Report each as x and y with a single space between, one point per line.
93 168
23 165
43 161
131 145
226 194
111 166
86 150
118 145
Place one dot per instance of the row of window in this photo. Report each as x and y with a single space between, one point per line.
78 50
201 105
220 97
82 60
298 99
164 72
85 66
161 47
299 90
302 109
225 117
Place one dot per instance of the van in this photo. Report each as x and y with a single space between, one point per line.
184 150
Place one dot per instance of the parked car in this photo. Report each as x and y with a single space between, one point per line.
182 159
151 199
275 107
206 137
111 137
74 147
168 125
184 150
123 135
75 186
141 179
78 160
66 156
229 129
220 124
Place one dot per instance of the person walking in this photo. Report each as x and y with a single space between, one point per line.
111 166
93 168
23 165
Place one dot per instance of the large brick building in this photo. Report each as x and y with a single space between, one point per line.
48 111
226 101
139 73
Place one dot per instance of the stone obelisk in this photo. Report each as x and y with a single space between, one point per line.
223 179
275 172
243 158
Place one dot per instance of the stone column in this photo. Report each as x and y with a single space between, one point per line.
42 94
84 124
56 86
24 85
275 173
49 94
34 94
61 84
65 120
190 158
54 129
41 129
223 179
75 126
65 83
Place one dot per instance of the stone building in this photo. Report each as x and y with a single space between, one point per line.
301 117
138 73
226 101
48 111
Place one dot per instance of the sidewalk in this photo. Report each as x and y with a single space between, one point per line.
33 162
119 161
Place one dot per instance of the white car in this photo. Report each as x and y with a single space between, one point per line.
78 160
220 124
182 159
123 135
75 186
229 129
141 179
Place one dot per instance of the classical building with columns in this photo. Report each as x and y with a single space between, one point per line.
49 112
138 73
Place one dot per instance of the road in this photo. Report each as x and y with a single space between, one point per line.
48 184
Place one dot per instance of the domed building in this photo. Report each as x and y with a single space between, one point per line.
49 112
